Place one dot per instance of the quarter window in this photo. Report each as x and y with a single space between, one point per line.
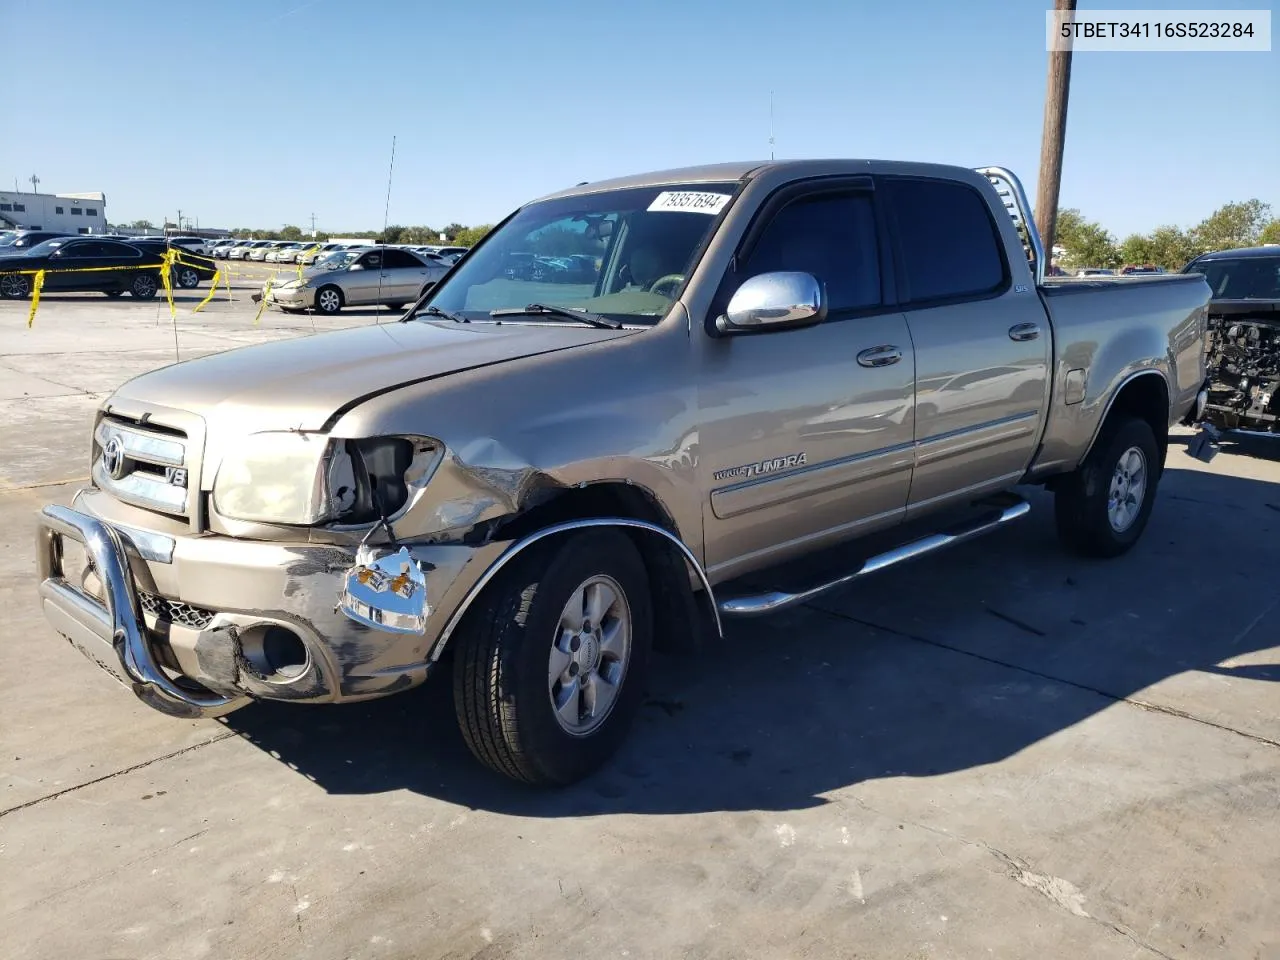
399 258
948 242
833 237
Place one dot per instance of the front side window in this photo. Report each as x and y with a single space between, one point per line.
948 242
623 254
829 235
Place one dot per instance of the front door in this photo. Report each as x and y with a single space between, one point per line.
982 343
361 284
806 434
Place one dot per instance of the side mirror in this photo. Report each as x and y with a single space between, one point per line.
774 301
356 266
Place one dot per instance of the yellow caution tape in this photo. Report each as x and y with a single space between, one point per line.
262 304
35 296
168 285
213 288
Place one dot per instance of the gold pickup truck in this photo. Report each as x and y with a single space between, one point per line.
627 401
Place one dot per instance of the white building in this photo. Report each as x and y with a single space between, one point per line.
72 212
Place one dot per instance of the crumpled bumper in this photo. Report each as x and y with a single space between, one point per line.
195 625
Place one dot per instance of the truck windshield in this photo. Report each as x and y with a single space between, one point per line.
622 254
1241 278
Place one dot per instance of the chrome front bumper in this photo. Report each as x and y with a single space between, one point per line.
111 632
241 589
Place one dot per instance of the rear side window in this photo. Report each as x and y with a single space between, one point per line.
830 235
946 238
399 259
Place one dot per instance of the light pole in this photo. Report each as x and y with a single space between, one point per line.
1053 139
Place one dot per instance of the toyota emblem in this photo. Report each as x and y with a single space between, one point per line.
113 458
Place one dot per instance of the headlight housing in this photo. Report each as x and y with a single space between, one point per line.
306 479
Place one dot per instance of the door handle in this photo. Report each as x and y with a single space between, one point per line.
1024 331
880 356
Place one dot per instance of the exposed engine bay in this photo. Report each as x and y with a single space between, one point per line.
1243 361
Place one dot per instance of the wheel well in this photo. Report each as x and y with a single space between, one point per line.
678 613
1147 398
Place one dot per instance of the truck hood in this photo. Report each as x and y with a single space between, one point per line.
304 383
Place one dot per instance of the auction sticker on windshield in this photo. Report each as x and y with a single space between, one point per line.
689 201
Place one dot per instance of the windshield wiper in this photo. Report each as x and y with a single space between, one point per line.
434 311
542 309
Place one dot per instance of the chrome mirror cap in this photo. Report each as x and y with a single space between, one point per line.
774 300
388 594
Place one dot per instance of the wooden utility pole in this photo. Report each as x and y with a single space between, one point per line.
1052 140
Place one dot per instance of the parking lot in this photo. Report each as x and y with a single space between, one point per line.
999 751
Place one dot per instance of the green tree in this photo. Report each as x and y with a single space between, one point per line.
1087 244
1270 233
142 225
470 236
391 235
1232 225
291 233
1170 247
452 231
1137 248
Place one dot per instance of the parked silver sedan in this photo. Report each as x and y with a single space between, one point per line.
369 275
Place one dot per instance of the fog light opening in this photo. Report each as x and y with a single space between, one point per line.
276 653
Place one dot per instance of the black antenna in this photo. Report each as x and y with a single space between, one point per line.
385 214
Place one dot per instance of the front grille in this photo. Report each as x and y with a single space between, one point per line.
143 463
175 611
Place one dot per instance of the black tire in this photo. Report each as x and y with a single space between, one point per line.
15 286
395 306
501 687
187 277
1081 499
144 286
329 299
114 293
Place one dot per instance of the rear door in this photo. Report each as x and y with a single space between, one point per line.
403 276
806 434
982 343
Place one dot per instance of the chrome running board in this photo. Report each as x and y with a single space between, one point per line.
759 604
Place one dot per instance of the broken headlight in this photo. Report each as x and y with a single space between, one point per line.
307 478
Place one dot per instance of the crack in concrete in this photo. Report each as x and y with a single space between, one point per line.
117 773
1062 893
1118 698
44 483
116 869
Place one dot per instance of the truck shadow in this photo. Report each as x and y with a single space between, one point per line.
962 660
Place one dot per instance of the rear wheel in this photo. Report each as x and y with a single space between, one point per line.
144 286
15 286
329 299
1102 509
552 660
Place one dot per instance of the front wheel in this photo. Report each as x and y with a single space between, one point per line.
1103 507
551 662
15 286
188 278
144 286
329 299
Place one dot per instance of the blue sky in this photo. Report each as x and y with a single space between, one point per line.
278 109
